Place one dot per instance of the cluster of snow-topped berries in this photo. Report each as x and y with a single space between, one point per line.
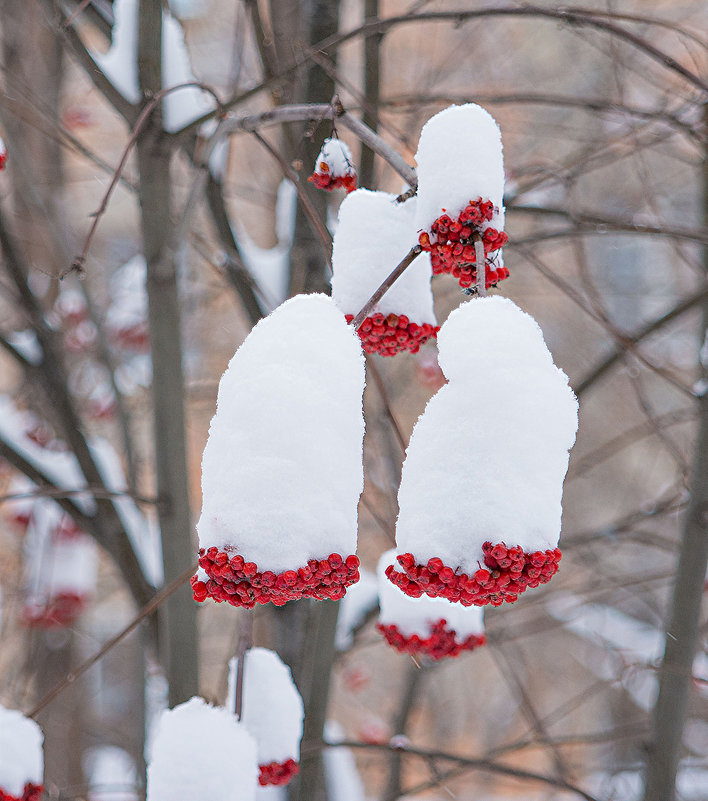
334 167
277 772
506 574
60 611
390 335
240 583
450 243
442 641
31 792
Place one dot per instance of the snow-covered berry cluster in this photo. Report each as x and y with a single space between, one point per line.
241 583
450 243
59 611
3 155
334 168
507 573
440 643
31 792
277 772
390 335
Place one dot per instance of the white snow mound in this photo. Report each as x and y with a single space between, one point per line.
373 235
459 159
273 711
487 459
21 757
201 751
282 469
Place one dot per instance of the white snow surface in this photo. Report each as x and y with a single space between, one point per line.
273 711
21 757
487 459
120 65
112 774
459 159
53 565
418 615
201 751
373 235
27 344
342 778
129 301
338 157
282 468
361 598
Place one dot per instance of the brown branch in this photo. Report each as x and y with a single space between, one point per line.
318 227
79 262
148 609
468 762
638 336
245 640
59 492
397 272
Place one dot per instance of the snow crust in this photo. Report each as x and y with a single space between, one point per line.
201 751
417 615
120 65
459 159
361 598
21 757
373 234
338 158
487 459
273 711
282 468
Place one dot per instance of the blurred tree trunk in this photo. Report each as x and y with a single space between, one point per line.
682 632
178 615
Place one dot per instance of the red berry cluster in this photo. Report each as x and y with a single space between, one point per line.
390 335
278 772
322 178
442 641
507 573
134 337
32 792
240 583
60 611
452 250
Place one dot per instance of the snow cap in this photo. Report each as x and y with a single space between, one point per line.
373 235
273 711
282 468
459 159
487 459
201 751
418 615
21 757
336 157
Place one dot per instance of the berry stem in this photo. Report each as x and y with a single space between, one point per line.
397 272
245 639
480 264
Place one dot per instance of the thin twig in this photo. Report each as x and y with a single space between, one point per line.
481 265
381 387
75 13
79 262
245 640
149 607
397 272
317 225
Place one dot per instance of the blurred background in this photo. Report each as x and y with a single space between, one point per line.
108 381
